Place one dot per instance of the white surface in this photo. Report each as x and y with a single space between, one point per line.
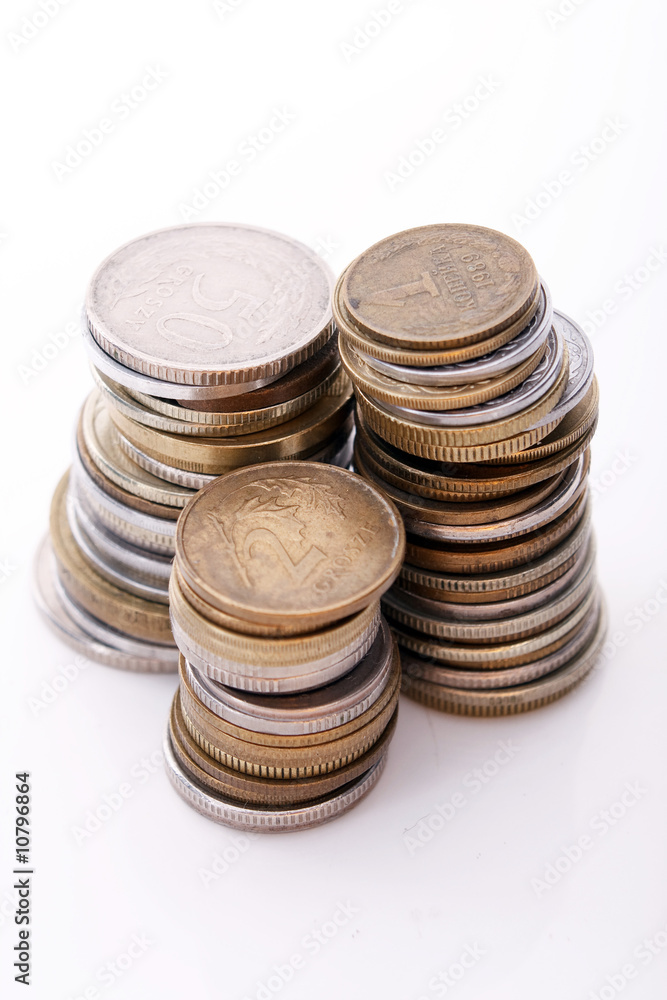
323 180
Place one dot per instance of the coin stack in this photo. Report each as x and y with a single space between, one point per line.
212 348
476 405
289 675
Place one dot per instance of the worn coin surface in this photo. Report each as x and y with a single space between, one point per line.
439 286
211 303
286 541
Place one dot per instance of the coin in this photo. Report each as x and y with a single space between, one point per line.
439 286
284 541
210 303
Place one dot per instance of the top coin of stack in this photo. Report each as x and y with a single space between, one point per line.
213 347
289 676
476 404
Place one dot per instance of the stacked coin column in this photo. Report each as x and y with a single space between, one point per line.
476 405
289 674
212 348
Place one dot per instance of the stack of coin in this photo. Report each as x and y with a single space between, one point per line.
476 405
213 347
289 674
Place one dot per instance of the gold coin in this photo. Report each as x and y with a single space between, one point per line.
464 482
418 397
130 614
440 512
290 541
492 557
216 456
173 419
510 700
261 791
269 651
465 444
436 286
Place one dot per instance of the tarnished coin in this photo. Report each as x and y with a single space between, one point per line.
267 819
211 303
439 286
286 541
580 361
514 699
497 362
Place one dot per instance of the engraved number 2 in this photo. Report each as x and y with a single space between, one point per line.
297 571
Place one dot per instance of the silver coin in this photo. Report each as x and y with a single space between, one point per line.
468 655
495 610
110 571
520 398
137 382
314 711
423 669
423 615
274 680
569 488
211 303
57 611
267 820
580 361
489 365
127 559
144 530
487 583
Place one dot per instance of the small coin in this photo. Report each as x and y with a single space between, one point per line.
497 362
268 820
56 608
219 455
127 613
246 788
286 541
491 558
211 303
580 358
414 398
439 286
515 699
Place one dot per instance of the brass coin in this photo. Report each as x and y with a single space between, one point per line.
101 441
439 286
261 791
215 456
297 381
290 541
492 587
492 557
464 444
127 613
107 486
441 512
418 397
510 700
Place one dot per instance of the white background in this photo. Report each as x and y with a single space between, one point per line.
356 112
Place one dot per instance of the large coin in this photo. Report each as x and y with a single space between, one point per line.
290 542
211 303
